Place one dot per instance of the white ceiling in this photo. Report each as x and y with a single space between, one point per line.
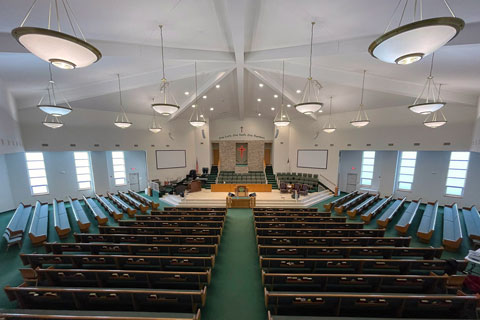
239 44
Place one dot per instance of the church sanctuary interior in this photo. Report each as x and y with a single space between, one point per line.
239 159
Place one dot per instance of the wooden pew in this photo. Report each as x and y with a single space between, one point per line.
117 262
427 224
161 230
290 232
339 201
472 222
121 204
39 225
171 223
79 214
118 278
111 209
132 201
143 199
452 230
18 314
349 204
187 213
407 217
146 238
388 215
168 217
310 225
376 209
285 209
298 219
291 213
348 251
335 241
371 304
347 265
60 218
132 248
108 299
312 282
15 229
362 206
96 211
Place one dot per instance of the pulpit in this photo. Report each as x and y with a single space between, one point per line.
241 191
195 185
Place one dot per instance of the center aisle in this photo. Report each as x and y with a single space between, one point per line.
236 290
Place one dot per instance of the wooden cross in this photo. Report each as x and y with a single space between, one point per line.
241 129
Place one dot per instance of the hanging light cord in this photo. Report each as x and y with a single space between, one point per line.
28 13
283 78
330 111
120 93
52 84
363 88
431 66
311 51
163 61
196 94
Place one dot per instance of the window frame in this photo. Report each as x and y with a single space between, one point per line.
77 167
399 181
362 171
124 171
448 177
41 168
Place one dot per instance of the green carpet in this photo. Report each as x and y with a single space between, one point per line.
236 291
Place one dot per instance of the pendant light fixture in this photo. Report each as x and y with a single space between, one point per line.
437 118
155 127
329 127
310 102
54 46
168 104
282 119
52 122
197 119
51 107
361 119
122 120
431 102
411 42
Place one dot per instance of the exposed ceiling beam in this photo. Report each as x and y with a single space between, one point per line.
354 79
205 87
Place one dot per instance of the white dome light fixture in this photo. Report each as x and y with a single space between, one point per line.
197 119
437 118
168 104
282 119
154 127
411 42
310 102
122 120
56 47
361 119
431 102
51 107
52 122
329 127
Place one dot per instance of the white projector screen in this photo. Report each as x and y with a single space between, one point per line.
167 159
316 159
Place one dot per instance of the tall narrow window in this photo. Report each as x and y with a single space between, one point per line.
37 173
457 173
407 170
368 162
84 170
118 160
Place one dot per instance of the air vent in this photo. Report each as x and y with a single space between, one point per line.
117 145
44 144
416 144
73 145
390 144
135 145
331 145
96 145
349 145
446 143
369 144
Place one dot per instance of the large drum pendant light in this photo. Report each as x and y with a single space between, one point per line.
54 46
282 119
411 42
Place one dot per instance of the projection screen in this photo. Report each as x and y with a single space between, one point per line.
315 159
168 159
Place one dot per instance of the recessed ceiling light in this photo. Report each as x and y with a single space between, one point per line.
289 105
299 91
202 116
320 111
204 97
260 85
259 100
259 114
193 106
211 109
272 108
187 93
217 86
275 96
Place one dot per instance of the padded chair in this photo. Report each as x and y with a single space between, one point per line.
304 190
283 187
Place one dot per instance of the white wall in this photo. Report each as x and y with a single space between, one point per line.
429 179
230 129
476 133
6 198
10 138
